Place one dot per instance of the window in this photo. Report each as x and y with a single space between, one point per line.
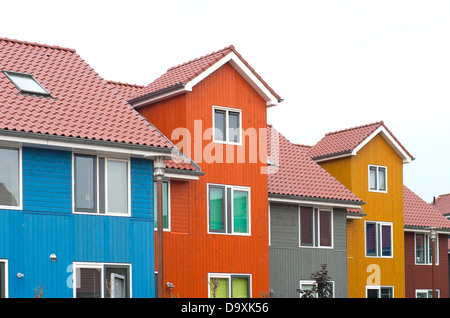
166 216
3 279
306 285
379 292
26 83
229 286
10 178
97 280
424 249
377 179
426 293
101 185
229 209
316 227
227 125
379 239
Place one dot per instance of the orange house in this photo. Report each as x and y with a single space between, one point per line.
369 160
214 109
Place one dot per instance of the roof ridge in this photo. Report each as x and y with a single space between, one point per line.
124 84
37 44
354 128
230 47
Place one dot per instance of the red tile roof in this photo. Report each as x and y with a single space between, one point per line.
81 105
296 174
184 73
442 204
126 90
418 213
344 141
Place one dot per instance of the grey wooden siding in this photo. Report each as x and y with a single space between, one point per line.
290 263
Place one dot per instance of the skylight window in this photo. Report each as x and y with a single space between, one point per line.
26 83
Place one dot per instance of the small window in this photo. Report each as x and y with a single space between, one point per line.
379 239
377 179
101 185
229 209
379 292
26 83
315 227
426 293
424 249
229 286
166 215
3 279
308 286
96 280
227 125
10 179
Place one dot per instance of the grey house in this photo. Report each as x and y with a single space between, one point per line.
308 209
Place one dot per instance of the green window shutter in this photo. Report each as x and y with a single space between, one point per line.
239 287
240 211
165 204
216 208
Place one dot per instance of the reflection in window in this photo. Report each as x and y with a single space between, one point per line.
9 177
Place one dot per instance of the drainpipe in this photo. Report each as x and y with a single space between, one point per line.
433 260
159 165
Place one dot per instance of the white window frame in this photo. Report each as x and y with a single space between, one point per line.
229 276
233 188
378 179
107 158
427 242
314 283
378 239
429 293
316 227
101 266
20 203
379 287
227 111
169 223
44 91
5 262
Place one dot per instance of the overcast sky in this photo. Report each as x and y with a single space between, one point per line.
336 64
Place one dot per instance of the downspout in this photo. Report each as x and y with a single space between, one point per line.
159 166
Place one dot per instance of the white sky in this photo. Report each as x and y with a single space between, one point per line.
336 64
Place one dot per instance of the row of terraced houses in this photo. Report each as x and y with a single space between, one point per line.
182 189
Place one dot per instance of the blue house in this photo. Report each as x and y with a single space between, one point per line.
76 180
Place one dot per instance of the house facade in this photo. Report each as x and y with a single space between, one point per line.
369 160
214 110
426 249
76 180
308 212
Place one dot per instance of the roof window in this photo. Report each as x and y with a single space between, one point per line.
26 83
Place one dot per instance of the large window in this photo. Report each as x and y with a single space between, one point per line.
377 178
229 285
165 205
316 227
227 125
101 185
378 239
97 280
229 209
379 292
10 177
424 249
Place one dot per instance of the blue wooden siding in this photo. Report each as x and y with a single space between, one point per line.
47 226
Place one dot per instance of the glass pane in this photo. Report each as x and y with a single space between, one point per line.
325 228
239 287
9 177
116 282
371 239
218 287
306 226
373 178
26 83
219 124
216 208
386 240
2 280
240 211
382 179
420 256
386 292
117 187
85 180
88 284
165 204
234 127
372 293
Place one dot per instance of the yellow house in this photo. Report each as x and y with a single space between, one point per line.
369 160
